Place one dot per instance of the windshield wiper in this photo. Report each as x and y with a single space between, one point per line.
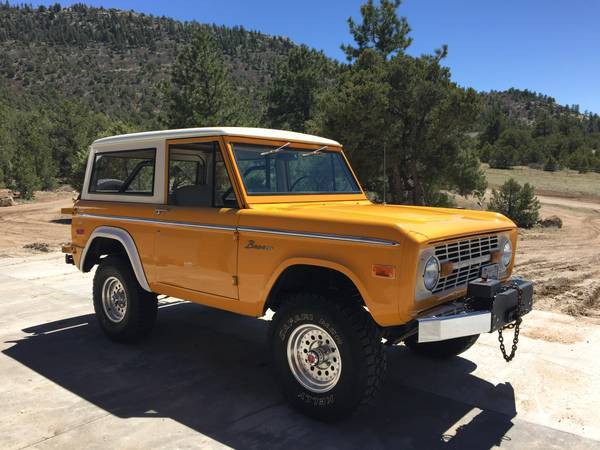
315 152
275 150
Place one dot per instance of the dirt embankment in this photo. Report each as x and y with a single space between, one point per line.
35 226
564 263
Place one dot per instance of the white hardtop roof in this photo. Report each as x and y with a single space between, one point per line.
222 131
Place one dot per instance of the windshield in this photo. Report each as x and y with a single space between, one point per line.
272 170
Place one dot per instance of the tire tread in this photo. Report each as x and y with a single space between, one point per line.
143 304
366 331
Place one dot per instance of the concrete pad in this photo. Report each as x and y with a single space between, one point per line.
203 380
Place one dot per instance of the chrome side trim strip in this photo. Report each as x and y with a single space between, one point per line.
333 237
160 222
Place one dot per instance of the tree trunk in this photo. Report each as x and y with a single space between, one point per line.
418 193
395 184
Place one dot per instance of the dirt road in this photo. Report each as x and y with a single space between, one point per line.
564 263
37 222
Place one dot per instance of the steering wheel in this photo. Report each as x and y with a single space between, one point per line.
180 178
247 172
304 177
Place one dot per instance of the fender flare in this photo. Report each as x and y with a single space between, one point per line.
125 239
326 264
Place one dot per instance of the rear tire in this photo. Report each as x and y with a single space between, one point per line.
327 355
124 310
442 349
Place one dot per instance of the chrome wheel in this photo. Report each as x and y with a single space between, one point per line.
114 299
314 358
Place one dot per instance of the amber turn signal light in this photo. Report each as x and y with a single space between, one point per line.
380 270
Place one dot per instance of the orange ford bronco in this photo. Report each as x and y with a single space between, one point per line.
248 220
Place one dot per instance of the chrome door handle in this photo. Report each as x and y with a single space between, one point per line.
159 211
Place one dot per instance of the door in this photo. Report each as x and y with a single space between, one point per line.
196 244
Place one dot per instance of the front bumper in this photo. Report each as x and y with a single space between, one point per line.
488 306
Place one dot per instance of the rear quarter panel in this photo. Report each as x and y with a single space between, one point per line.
84 223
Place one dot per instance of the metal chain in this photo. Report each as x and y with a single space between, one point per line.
516 325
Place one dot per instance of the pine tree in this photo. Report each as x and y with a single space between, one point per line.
200 92
298 80
517 203
405 105
381 30
494 124
551 164
25 180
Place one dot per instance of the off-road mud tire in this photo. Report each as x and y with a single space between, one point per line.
358 341
142 306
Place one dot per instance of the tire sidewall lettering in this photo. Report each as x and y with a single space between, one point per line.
292 322
296 319
314 400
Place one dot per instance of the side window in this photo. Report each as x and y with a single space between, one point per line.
197 176
124 172
187 170
342 178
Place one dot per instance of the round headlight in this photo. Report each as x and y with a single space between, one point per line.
506 253
431 274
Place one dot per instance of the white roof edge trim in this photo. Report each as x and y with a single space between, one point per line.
264 133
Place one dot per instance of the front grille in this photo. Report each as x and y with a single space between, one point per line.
468 256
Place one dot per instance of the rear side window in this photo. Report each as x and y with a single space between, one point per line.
129 172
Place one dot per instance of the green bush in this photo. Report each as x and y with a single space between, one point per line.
516 202
25 179
501 158
551 165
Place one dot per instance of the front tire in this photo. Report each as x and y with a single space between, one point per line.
124 310
327 355
442 349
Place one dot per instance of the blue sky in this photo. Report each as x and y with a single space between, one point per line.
550 46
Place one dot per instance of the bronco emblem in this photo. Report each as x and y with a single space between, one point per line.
255 246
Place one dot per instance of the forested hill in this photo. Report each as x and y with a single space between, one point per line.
116 59
524 105
71 75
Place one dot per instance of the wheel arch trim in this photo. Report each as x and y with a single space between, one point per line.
315 262
125 239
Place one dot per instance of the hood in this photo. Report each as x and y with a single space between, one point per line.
418 222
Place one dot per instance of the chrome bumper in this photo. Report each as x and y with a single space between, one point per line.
442 327
489 306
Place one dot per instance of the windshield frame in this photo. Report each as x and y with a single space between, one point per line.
285 197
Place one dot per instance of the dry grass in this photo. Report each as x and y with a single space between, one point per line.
565 183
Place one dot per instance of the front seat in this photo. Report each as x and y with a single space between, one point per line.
195 195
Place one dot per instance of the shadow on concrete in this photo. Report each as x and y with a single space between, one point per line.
209 370
62 221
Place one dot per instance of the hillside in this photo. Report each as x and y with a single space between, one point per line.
115 60
524 106
70 75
